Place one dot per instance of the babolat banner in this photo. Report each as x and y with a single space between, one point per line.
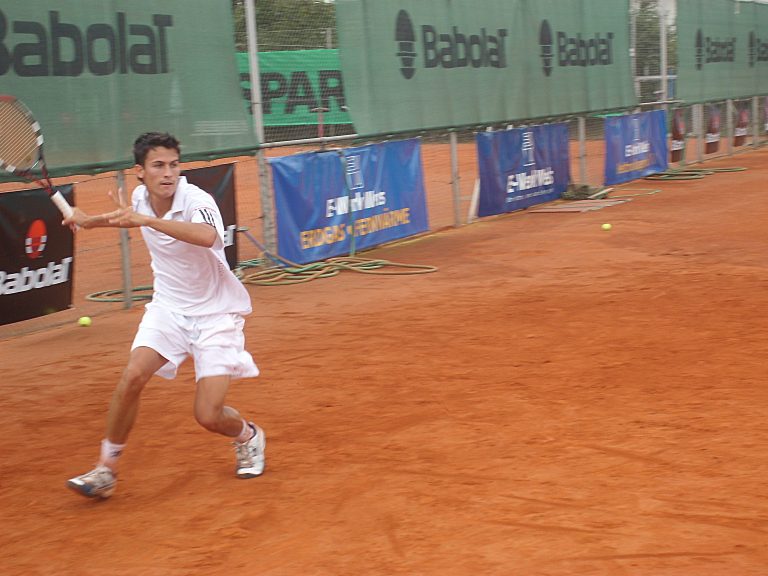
295 84
722 49
339 202
97 73
522 167
36 255
219 182
635 146
417 64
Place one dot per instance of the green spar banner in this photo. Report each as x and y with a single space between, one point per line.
415 64
295 83
96 73
722 52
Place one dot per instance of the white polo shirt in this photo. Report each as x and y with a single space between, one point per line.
188 279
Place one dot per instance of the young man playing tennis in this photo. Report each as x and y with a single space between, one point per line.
197 310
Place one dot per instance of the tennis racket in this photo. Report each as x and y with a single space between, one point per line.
21 149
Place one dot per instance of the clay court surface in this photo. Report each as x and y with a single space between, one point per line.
554 400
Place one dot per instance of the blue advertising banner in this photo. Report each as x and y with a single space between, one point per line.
338 202
522 167
635 146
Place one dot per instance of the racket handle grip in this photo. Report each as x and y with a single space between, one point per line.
62 204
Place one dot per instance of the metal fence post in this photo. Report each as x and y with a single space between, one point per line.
698 130
582 123
265 183
125 247
455 179
755 122
729 133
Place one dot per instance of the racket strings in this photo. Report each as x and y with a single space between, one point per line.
19 139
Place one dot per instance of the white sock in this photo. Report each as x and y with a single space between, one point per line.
245 434
110 453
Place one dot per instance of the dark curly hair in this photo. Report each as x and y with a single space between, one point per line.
150 140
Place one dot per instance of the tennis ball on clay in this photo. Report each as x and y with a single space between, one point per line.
607 226
84 321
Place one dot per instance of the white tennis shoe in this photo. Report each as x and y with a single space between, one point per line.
250 455
98 483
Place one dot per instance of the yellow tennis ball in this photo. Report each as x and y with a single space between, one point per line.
84 321
607 226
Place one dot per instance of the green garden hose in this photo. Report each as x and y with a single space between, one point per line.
291 274
690 173
119 295
295 273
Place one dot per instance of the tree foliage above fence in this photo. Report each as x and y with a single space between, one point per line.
648 22
288 24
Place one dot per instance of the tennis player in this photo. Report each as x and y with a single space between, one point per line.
197 310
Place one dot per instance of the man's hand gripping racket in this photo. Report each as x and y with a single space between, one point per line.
21 149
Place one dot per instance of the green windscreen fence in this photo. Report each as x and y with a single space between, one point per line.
416 64
96 73
722 49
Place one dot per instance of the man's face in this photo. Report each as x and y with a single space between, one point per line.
160 172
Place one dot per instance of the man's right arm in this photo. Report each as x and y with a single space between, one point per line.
83 220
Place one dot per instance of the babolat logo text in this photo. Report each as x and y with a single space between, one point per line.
459 50
27 279
758 50
713 50
576 51
596 50
454 48
55 47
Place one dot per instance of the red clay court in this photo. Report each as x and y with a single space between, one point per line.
555 400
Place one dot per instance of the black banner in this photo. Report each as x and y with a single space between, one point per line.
677 146
36 255
219 182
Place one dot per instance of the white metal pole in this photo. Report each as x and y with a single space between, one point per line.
253 66
755 121
125 247
699 130
633 51
729 129
664 63
455 182
582 123
257 108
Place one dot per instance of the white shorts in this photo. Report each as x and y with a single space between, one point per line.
216 342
